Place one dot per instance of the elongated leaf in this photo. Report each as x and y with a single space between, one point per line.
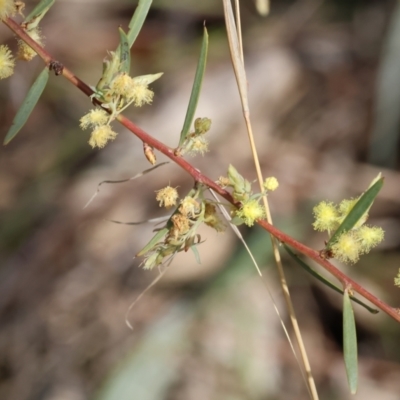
196 253
27 105
236 55
236 221
362 206
33 19
147 221
198 79
155 239
124 53
350 343
137 21
385 136
325 281
132 178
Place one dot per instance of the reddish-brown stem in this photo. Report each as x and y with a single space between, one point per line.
46 57
199 177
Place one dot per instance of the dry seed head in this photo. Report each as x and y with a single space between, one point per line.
212 219
181 224
223 181
167 196
189 207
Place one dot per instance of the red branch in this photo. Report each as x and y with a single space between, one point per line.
199 177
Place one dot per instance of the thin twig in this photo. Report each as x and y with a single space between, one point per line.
235 45
203 179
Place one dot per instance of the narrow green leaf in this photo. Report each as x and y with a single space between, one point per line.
360 208
137 21
132 178
124 53
33 19
27 105
110 70
325 281
384 138
198 79
196 253
236 221
350 343
155 239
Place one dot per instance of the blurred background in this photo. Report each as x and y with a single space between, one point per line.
324 92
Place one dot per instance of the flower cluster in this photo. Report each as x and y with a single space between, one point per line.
9 8
116 90
179 234
99 121
251 210
351 244
125 90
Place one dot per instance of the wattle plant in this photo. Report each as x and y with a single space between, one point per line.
348 235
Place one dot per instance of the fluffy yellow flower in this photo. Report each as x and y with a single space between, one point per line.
369 237
326 217
7 9
347 248
250 212
141 94
94 118
26 52
123 85
101 135
7 62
